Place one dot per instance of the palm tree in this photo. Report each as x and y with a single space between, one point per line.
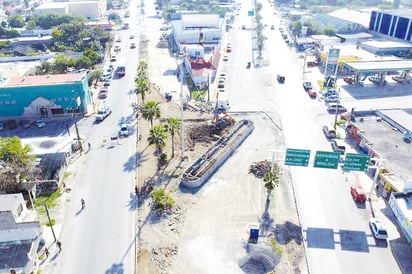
271 181
157 137
173 127
151 111
142 82
142 87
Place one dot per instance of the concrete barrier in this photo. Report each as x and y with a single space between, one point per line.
203 168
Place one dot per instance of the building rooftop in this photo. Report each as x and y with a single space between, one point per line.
8 201
39 80
405 203
388 142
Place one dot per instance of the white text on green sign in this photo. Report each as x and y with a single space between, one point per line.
297 157
326 159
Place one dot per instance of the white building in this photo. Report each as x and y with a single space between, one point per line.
88 9
191 27
19 238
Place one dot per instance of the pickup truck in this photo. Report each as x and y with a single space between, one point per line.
102 113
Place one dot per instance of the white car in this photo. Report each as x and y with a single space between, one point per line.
378 229
124 130
225 58
102 113
40 123
332 99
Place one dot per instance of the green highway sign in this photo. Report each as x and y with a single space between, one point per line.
297 157
356 162
326 159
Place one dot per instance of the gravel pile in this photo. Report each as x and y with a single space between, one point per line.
260 259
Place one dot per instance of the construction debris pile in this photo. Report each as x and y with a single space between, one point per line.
259 169
208 133
163 256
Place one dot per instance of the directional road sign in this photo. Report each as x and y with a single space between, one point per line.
326 159
356 162
297 157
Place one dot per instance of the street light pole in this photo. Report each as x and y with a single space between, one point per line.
182 130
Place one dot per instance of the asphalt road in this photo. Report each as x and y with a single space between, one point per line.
101 237
336 229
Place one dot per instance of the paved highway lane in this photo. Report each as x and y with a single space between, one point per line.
335 229
101 237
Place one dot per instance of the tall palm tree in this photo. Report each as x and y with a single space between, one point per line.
271 181
173 127
151 111
142 82
142 87
157 137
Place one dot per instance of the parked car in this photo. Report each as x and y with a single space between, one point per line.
358 194
107 82
334 107
329 92
225 58
281 79
40 123
332 99
117 48
272 27
102 113
330 133
338 146
133 45
113 58
228 47
307 85
103 94
312 93
312 63
25 124
131 36
378 229
221 85
124 130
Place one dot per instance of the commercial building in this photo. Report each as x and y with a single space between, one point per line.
88 9
392 23
44 96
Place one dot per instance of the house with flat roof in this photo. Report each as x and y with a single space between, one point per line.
20 236
44 96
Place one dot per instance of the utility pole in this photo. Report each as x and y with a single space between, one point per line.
51 224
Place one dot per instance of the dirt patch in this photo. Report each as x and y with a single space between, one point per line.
280 249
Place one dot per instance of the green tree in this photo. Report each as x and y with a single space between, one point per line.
16 21
157 138
15 160
142 82
329 30
31 25
162 200
271 181
173 127
151 111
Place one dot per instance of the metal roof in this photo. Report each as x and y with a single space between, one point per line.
378 66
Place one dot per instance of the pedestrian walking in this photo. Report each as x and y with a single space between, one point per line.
46 251
83 203
59 245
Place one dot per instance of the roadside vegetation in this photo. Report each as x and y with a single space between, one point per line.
150 111
17 164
